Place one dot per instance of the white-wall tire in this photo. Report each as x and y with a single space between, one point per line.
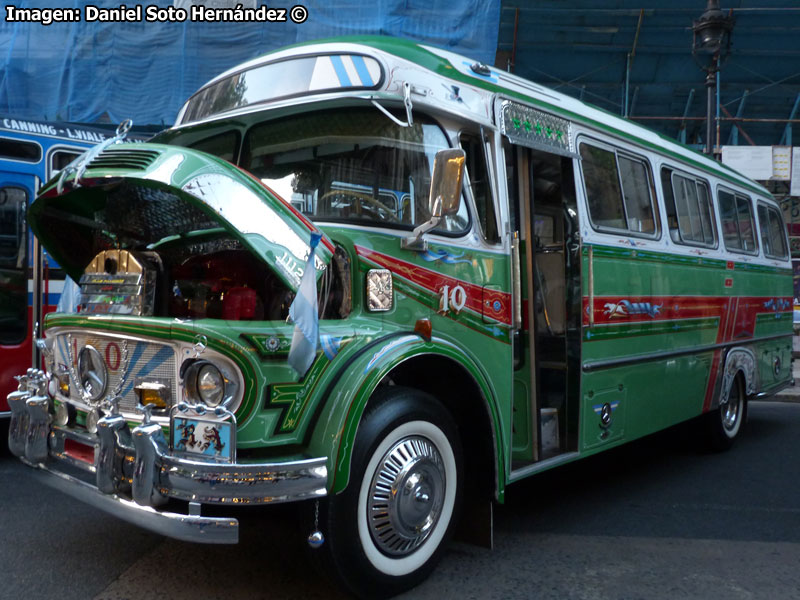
405 563
413 432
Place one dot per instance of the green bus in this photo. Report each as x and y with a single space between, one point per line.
507 280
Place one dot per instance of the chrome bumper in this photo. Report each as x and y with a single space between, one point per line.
135 473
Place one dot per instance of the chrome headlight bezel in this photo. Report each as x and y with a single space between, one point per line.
199 377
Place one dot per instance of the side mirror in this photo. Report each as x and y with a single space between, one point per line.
444 198
448 173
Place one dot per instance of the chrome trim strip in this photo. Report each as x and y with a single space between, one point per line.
543 465
223 483
776 390
5 414
190 528
598 365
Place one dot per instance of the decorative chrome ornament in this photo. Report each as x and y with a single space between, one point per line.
62 414
92 373
316 539
92 417
605 415
380 294
200 345
535 129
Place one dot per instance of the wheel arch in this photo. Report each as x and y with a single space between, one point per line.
739 360
406 361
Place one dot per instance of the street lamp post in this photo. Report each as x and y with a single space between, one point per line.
711 45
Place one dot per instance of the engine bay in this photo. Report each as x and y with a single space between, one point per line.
213 278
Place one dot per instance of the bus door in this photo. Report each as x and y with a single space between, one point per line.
553 263
542 196
16 192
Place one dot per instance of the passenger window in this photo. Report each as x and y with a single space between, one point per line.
737 222
772 232
13 202
618 190
689 213
13 268
19 150
60 159
480 185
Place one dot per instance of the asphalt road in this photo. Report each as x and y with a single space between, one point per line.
653 519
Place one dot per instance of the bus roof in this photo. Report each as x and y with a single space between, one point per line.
485 81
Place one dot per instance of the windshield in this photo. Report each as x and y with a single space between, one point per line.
351 165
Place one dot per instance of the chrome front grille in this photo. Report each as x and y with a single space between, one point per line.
124 156
146 360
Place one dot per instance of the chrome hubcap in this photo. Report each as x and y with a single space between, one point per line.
406 496
730 410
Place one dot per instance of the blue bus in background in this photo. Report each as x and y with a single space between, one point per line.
31 152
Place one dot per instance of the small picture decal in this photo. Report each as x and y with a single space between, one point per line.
206 438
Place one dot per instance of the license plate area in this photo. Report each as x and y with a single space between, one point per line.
78 451
203 438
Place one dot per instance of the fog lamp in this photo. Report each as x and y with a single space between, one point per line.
152 392
63 383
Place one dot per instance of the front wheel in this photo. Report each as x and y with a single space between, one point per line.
387 529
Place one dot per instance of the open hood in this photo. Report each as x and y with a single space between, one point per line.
138 196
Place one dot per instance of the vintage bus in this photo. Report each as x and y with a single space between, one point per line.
557 282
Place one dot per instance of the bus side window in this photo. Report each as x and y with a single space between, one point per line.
771 226
618 190
737 222
13 279
480 185
19 150
13 202
689 213
60 159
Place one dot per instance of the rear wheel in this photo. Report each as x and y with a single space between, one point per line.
725 424
387 529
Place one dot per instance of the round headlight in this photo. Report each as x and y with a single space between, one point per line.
210 385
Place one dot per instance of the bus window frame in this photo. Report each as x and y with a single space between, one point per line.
770 207
17 160
631 155
467 194
49 170
737 195
709 189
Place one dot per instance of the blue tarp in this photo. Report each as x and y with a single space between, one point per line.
93 71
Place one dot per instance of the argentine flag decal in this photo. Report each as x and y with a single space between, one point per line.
343 71
304 314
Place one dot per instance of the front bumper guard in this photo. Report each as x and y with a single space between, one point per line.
138 463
